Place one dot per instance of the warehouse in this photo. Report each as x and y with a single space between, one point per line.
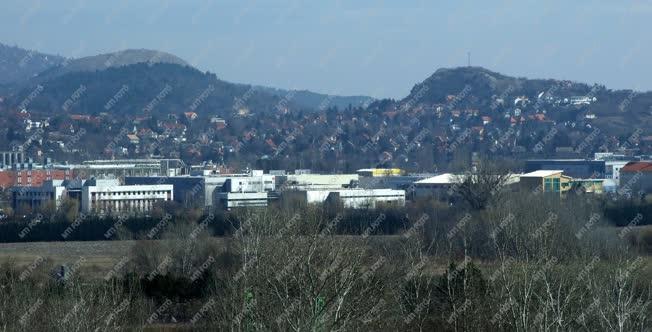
350 198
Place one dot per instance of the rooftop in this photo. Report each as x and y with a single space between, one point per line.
637 166
446 178
541 173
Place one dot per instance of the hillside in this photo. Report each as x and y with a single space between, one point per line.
616 111
160 88
105 74
449 115
110 60
17 64
316 101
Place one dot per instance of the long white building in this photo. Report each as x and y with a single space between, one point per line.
351 198
105 196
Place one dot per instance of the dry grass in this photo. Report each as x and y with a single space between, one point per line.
99 256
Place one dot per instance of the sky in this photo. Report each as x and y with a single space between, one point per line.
374 48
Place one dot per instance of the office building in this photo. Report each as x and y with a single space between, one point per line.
103 196
50 192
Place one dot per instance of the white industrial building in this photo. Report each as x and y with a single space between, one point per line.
104 196
256 182
435 186
229 200
305 181
132 167
612 169
204 190
351 198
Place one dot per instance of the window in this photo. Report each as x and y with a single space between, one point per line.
556 185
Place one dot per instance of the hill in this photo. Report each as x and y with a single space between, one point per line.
110 60
17 64
615 112
159 88
317 101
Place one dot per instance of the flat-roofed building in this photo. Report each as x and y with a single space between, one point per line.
108 196
437 186
52 191
612 169
201 191
577 168
351 198
121 168
230 200
547 181
380 172
315 181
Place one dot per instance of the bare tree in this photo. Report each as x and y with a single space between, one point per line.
482 185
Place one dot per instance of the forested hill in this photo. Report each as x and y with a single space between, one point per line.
499 96
17 64
144 87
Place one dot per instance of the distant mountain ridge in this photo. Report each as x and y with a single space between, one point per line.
18 64
316 100
49 73
111 60
138 88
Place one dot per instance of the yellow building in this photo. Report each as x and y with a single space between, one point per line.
553 181
377 172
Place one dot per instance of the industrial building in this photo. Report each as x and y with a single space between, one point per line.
350 198
576 168
108 196
372 172
612 169
305 181
52 191
547 181
436 186
202 191
229 200
189 191
554 181
131 167
398 182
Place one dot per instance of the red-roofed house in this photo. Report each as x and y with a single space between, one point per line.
190 115
635 178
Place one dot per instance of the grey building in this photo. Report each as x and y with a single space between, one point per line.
576 168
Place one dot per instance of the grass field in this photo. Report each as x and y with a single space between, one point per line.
99 257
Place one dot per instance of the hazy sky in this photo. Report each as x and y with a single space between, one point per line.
377 48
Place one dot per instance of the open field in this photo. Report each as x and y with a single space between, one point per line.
100 256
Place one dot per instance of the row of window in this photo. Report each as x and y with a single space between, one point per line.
554 185
130 193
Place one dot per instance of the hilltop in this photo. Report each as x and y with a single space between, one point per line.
110 60
18 64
